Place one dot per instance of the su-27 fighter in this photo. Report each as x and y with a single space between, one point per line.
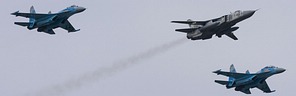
202 30
244 81
47 22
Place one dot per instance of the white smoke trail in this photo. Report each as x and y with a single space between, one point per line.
72 84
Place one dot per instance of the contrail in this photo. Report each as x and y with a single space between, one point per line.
101 73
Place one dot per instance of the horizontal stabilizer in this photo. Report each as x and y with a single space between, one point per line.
25 24
31 15
187 30
230 74
15 13
221 82
218 71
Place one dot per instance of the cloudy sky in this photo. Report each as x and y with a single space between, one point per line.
130 48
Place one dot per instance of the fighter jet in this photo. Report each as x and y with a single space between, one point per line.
202 30
47 22
244 81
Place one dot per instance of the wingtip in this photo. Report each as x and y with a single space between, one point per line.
235 39
173 21
75 30
176 21
270 91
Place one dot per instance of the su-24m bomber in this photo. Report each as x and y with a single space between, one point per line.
244 81
47 22
202 30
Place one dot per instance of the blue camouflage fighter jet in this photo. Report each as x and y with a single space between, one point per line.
47 22
244 81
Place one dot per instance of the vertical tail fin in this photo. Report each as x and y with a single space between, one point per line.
31 19
191 25
247 72
232 69
32 10
231 79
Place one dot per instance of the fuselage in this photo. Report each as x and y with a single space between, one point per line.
219 26
54 20
253 80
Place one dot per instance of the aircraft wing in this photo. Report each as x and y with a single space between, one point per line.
231 74
30 15
67 26
231 35
186 30
50 31
246 91
191 22
264 87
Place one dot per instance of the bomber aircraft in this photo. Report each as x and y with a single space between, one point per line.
244 81
47 22
202 30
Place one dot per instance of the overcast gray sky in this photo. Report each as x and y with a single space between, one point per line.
130 48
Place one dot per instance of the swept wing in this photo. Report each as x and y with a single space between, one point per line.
186 30
246 91
50 31
67 26
231 35
191 22
264 87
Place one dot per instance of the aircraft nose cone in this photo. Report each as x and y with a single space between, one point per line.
249 12
81 9
281 70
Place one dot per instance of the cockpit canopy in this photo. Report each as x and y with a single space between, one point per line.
238 13
74 6
270 67
234 15
267 68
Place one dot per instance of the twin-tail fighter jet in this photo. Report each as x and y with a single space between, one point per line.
244 81
47 22
202 30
